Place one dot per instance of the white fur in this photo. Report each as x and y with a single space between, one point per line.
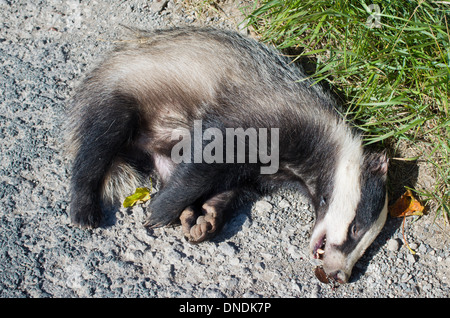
120 182
346 189
164 166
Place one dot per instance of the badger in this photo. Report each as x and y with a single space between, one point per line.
150 93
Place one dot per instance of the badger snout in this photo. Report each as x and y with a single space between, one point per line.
334 266
340 239
339 276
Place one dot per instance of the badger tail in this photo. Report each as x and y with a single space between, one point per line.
102 127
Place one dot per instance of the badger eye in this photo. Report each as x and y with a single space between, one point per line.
354 230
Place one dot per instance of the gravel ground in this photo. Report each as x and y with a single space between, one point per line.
45 48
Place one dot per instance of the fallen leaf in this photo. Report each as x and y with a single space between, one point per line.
406 205
139 196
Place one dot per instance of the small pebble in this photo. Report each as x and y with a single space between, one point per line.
393 245
227 249
284 204
410 258
263 206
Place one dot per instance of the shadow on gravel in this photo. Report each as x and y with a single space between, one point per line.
388 231
401 174
109 216
234 223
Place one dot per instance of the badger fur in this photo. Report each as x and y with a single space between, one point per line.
127 110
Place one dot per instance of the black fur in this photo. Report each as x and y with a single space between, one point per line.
106 129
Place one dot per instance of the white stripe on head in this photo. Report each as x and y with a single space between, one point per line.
347 188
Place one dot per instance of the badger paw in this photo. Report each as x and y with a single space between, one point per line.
198 227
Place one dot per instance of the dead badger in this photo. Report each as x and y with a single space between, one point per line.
152 93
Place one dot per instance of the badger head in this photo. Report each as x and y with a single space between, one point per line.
351 214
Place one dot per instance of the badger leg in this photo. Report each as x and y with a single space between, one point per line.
198 227
183 188
102 133
188 184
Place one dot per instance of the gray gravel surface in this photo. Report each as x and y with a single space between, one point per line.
45 48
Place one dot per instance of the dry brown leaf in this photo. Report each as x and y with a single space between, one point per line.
406 205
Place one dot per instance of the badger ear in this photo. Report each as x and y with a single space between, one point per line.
378 163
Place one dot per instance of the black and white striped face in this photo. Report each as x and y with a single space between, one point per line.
353 216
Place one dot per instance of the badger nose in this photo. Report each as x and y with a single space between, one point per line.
339 276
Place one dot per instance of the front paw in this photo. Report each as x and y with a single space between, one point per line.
198 228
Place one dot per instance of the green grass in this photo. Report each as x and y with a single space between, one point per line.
395 78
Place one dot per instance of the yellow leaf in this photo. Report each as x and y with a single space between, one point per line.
140 195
